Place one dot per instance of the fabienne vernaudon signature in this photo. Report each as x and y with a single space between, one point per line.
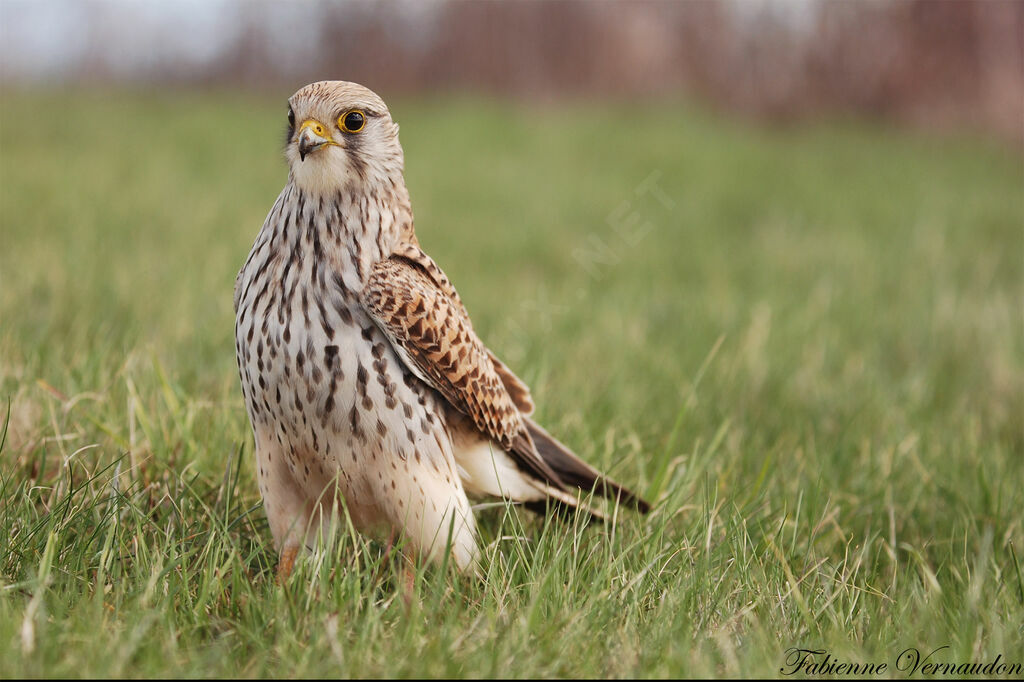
911 662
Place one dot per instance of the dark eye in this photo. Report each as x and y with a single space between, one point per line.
291 117
352 121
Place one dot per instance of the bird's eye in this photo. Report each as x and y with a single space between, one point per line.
352 121
291 117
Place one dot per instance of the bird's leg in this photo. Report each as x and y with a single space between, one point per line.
286 562
389 545
285 502
407 571
408 579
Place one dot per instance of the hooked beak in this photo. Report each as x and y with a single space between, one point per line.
312 136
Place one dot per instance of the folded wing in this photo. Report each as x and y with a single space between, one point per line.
431 332
416 306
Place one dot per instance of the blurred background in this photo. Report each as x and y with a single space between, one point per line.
670 173
931 64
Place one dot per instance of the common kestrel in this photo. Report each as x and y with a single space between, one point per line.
365 383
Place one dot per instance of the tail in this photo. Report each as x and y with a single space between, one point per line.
573 471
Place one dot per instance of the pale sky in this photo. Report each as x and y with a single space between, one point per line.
128 39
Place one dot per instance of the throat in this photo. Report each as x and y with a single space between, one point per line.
341 235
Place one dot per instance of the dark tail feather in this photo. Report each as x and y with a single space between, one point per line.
574 471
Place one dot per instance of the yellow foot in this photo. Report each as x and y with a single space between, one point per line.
286 563
408 581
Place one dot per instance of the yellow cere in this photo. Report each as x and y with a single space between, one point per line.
318 128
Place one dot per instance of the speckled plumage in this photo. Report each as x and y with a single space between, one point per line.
363 378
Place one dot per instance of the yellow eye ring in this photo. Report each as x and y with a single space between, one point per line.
352 121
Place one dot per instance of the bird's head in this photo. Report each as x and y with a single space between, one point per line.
341 138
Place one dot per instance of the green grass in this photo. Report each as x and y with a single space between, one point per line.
809 350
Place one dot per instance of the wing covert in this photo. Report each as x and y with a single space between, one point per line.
416 306
517 389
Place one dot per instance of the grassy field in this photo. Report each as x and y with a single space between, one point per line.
806 345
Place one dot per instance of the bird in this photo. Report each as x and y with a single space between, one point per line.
368 390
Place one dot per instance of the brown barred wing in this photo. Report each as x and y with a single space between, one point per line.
517 389
431 332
